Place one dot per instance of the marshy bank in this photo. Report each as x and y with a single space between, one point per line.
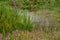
40 20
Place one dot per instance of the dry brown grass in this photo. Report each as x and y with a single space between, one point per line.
35 35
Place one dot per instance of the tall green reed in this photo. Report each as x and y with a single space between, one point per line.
10 20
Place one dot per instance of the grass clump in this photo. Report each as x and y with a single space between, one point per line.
10 20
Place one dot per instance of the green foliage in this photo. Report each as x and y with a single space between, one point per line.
10 20
35 4
25 22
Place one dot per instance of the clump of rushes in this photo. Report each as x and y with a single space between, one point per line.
10 20
26 23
